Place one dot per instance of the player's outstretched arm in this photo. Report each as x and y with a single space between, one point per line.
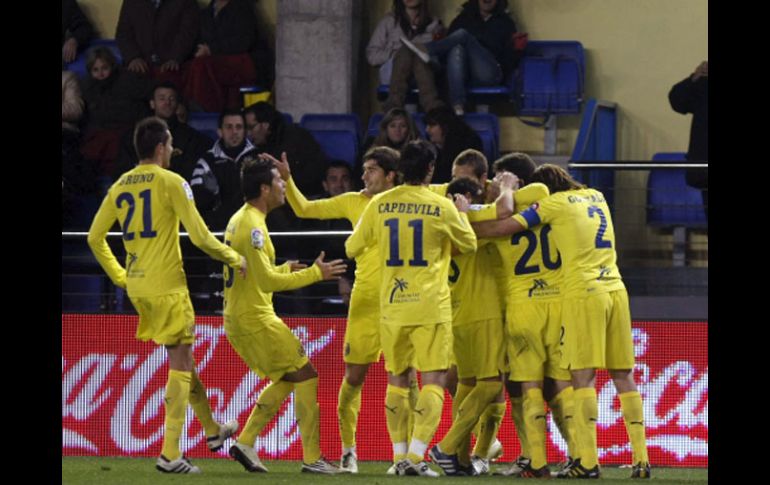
330 270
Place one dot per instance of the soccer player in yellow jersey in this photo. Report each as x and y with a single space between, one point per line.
415 230
362 334
595 312
149 202
256 333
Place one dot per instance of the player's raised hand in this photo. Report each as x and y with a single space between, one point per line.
295 265
461 203
507 180
330 270
282 165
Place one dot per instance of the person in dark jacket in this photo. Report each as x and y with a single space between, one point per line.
451 135
478 50
156 37
189 144
230 54
691 95
76 30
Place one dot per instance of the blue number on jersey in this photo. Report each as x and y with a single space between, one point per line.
394 259
599 241
521 267
146 196
455 271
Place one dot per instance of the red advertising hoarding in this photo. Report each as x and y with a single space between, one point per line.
112 394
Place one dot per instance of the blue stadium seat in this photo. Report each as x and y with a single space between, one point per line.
288 118
670 201
489 146
550 78
332 121
419 122
78 66
484 122
82 293
338 144
373 129
206 123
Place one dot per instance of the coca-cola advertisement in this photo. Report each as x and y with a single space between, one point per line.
113 385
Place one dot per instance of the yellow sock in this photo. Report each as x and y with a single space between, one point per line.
348 407
397 413
414 394
534 422
176 399
468 414
633 415
308 418
517 414
269 402
490 422
201 407
460 394
586 413
429 408
563 408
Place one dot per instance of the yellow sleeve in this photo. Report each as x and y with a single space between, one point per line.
482 212
462 236
97 234
363 233
272 278
313 209
529 194
184 206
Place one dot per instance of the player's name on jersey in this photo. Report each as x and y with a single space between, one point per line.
139 178
410 208
577 199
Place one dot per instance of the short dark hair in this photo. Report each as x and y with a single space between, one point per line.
165 85
263 112
555 178
334 163
464 185
147 134
519 164
230 112
255 172
475 159
387 158
416 159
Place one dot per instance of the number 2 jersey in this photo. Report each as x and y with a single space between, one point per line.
582 228
415 230
149 202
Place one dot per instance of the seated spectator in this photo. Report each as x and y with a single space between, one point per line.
115 100
182 111
76 30
156 36
397 128
216 179
78 177
451 135
691 95
189 144
271 134
478 51
398 65
230 54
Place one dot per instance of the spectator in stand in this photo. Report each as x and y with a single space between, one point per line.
398 65
691 95
189 144
156 36
77 176
451 135
229 54
479 50
182 110
76 30
397 129
115 100
271 134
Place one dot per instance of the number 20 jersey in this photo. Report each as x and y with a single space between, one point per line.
582 228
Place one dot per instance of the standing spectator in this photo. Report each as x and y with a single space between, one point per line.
229 54
451 135
76 30
115 100
156 36
691 95
478 50
189 144
410 19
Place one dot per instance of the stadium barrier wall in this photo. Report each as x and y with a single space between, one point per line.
113 385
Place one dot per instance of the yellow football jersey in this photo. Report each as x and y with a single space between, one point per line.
149 202
350 206
415 230
473 285
247 233
582 228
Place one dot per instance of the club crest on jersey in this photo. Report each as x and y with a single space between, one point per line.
257 238
187 190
